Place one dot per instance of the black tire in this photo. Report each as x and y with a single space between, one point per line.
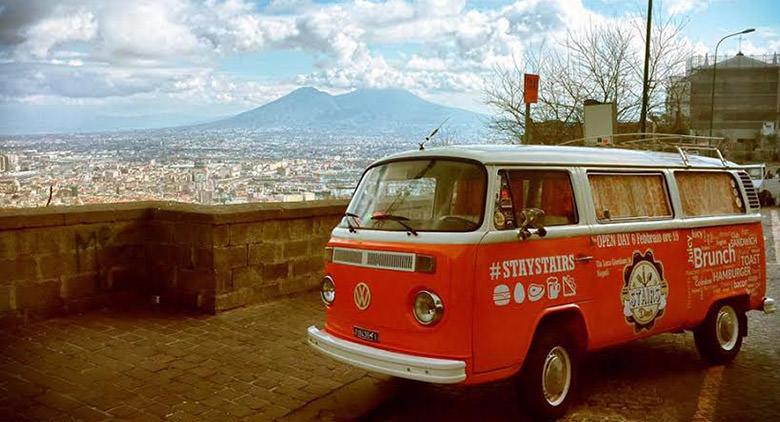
720 349
549 341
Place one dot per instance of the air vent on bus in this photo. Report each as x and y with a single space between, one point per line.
398 261
750 191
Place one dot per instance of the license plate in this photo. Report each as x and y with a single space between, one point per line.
366 335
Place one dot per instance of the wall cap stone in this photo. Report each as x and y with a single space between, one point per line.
21 218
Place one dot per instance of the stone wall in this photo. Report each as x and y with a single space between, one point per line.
214 258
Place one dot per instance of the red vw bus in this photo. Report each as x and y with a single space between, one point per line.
470 264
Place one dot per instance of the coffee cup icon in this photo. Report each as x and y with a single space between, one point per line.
553 288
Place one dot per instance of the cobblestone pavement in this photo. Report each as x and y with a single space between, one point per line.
657 379
250 364
253 364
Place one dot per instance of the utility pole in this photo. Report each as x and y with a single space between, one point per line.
530 95
527 132
643 113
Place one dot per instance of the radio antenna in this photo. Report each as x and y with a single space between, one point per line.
435 131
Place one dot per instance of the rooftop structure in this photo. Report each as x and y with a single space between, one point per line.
746 100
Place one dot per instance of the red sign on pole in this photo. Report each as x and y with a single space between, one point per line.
530 88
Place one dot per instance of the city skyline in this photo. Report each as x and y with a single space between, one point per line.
177 62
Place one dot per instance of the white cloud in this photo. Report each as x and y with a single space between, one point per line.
681 7
90 49
51 32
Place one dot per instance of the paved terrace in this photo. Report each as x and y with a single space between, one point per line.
148 362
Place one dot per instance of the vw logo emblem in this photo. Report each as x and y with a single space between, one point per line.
362 296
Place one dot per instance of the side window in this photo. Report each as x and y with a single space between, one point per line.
707 193
548 190
619 196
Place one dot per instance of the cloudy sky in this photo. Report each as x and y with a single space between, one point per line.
196 59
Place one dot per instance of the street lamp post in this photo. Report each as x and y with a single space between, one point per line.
714 71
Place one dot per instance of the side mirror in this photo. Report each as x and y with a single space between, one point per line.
530 223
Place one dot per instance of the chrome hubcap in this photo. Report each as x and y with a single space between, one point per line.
727 327
556 375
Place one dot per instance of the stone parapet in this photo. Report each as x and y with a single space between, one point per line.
214 258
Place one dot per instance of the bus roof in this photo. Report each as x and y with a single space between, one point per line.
565 156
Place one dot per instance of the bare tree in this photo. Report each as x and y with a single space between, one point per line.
668 56
504 94
600 63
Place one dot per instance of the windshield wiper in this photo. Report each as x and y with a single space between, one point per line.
352 229
398 219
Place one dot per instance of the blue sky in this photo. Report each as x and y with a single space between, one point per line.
200 59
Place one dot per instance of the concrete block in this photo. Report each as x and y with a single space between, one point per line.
168 254
260 253
311 266
276 231
265 292
224 281
56 265
129 233
296 248
159 231
247 276
301 228
192 234
162 275
275 271
14 243
202 258
7 298
226 301
246 233
220 235
81 285
22 268
47 240
44 295
193 281
229 257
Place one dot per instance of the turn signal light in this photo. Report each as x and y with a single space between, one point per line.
424 264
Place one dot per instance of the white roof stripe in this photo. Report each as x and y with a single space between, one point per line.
563 155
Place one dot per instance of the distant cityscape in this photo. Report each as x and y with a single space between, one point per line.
204 167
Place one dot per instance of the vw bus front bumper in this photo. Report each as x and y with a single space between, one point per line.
440 371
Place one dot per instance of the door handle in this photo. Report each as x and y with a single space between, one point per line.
583 258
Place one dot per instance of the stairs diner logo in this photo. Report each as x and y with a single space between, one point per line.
645 291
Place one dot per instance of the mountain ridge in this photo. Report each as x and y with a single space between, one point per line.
365 110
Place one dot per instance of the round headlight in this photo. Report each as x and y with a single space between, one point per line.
328 290
428 308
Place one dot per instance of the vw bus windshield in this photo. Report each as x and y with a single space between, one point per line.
419 195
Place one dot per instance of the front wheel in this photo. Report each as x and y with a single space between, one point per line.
719 337
548 375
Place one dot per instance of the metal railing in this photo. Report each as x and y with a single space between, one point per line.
725 61
684 145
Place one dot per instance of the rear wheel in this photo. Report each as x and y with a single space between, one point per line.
719 337
548 375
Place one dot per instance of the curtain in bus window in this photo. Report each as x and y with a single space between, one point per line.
617 196
550 191
708 193
558 199
469 194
